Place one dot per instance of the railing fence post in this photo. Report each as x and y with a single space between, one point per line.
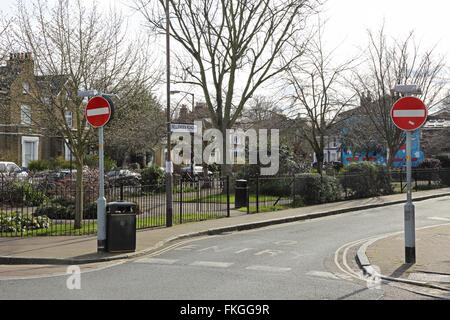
228 196
181 201
257 193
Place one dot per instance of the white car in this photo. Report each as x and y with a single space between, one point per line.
12 169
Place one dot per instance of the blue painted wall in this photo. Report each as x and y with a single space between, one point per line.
399 159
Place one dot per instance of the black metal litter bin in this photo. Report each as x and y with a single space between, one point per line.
241 194
121 226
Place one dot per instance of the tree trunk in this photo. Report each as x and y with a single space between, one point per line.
226 168
319 156
79 196
390 158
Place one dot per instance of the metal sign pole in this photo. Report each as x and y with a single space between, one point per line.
169 165
101 202
410 246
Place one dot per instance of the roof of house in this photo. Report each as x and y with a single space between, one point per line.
52 84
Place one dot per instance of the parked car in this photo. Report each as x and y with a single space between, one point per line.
10 169
186 172
123 177
64 176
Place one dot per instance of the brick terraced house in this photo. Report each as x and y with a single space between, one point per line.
23 130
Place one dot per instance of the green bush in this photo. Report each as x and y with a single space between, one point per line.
153 179
273 187
384 181
445 177
25 194
444 160
38 165
315 189
16 222
52 164
62 208
365 179
298 202
91 161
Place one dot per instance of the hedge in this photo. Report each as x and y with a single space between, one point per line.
315 189
364 179
64 209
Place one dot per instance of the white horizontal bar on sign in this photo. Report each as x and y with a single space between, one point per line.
97 112
409 113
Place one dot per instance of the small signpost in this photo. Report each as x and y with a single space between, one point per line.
186 128
409 114
99 111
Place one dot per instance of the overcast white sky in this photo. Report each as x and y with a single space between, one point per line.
348 21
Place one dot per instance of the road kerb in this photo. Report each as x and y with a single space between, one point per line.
367 268
11 260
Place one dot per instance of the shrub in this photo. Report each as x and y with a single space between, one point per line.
16 222
427 170
91 161
64 209
444 160
274 187
445 177
384 181
314 188
25 194
52 164
297 202
365 179
153 178
38 165
429 163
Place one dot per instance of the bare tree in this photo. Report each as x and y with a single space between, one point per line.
230 48
389 63
78 47
357 134
318 93
138 128
5 40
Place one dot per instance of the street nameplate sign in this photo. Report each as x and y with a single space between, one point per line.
409 113
98 112
183 127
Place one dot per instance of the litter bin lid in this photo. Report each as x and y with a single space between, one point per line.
121 207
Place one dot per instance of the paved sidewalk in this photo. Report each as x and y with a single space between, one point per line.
432 256
81 250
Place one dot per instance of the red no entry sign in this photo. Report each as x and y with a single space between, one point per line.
98 112
409 113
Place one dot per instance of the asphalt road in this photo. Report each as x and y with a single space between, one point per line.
302 260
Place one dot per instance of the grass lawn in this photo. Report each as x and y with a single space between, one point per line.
90 227
268 208
222 198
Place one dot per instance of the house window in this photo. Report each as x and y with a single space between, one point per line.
67 152
30 150
68 116
26 87
25 115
